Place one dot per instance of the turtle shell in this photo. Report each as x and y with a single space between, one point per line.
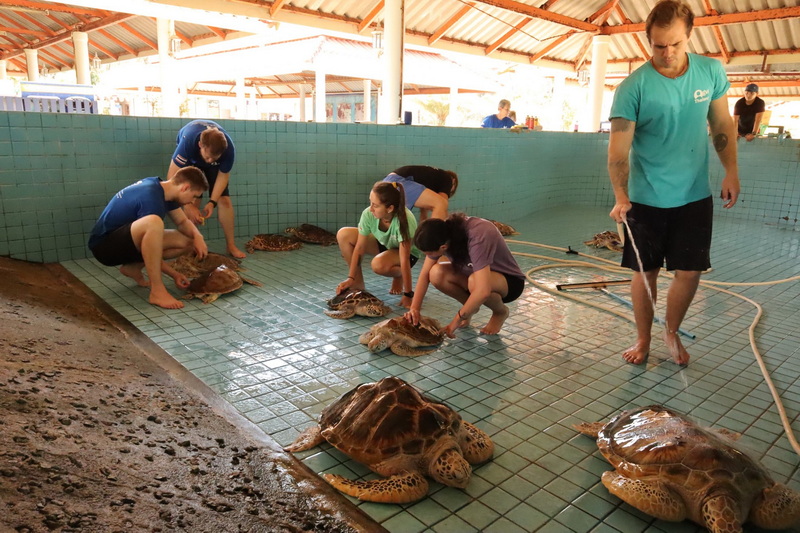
656 441
219 280
272 242
191 267
504 229
352 297
312 234
377 421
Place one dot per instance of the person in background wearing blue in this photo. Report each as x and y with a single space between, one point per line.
658 163
501 119
130 231
204 144
747 113
428 188
384 231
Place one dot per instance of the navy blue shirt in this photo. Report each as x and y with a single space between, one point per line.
145 197
188 150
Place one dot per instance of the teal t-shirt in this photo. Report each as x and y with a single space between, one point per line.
669 154
391 239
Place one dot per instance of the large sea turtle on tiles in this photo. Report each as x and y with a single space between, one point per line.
404 338
356 302
215 282
669 467
401 434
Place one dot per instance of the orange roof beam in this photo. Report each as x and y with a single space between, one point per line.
450 23
510 33
275 7
61 8
26 31
548 4
541 53
536 12
373 13
762 15
139 36
605 10
122 44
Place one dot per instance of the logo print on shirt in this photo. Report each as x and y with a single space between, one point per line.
701 95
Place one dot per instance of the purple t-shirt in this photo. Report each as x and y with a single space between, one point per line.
487 247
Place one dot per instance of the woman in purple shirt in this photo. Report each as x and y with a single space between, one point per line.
481 270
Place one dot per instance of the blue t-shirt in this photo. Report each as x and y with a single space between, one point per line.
411 189
493 122
145 197
669 154
188 150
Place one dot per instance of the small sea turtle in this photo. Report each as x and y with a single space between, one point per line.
401 434
312 234
670 468
191 267
504 229
607 239
356 302
272 242
402 337
220 280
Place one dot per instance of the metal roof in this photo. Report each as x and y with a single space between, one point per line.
753 38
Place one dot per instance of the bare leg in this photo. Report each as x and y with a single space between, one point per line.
148 235
134 271
226 216
680 296
643 315
388 264
347 238
494 302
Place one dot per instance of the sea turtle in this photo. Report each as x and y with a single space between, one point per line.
404 338
356 302
272 242
504 229
312 234
401 434
211 284
191 267
606 239
670 468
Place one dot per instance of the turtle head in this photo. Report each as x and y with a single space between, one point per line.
451 469
777 507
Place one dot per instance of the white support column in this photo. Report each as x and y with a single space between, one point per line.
32 62
80 40
169 87
3 69
302 110
367 101
453 118
392 86
319 101
241 99
597 81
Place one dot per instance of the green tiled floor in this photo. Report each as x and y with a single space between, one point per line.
273 354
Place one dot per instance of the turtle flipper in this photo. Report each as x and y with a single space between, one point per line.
366 337
399 488
306 440
476 446
251 281
209 298
408 351
590 429
652 498
778 507
341 313
722 514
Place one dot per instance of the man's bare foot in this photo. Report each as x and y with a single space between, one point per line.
397 286
164 299
675 347
135 273
637 354
496 322
233 251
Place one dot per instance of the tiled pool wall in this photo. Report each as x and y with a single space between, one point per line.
57 172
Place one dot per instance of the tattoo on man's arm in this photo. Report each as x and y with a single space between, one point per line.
720 142
620 125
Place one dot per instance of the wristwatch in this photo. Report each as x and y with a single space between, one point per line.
409 294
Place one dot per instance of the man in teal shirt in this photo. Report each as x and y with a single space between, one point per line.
658 164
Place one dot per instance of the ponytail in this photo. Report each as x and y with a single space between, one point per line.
432 233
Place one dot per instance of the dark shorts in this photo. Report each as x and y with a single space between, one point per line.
382 248
211 175
679 235
118 248
515 287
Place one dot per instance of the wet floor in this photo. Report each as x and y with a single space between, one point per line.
272 353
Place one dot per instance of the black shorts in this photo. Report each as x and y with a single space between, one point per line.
679 235
515 287
382 248
118 248
211 175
